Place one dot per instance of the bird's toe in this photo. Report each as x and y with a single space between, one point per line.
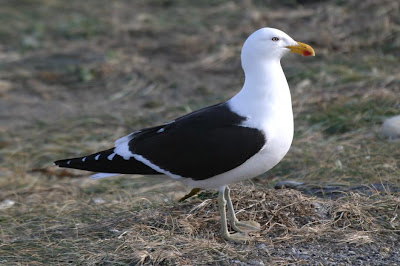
237 237
248 226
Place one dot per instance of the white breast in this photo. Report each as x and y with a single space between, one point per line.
275 119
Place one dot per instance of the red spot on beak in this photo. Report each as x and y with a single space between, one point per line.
306 53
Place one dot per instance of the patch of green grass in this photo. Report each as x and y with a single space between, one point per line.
85 74
26 25
77 25
351 114
173 3
295 75
349 73
152 104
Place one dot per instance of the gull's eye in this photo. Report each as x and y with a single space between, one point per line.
275 39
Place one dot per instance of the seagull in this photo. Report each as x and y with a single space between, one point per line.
221 144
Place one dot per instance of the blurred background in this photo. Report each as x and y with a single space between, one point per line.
77 75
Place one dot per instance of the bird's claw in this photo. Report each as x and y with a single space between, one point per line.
246 226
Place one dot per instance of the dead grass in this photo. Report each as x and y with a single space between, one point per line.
75 77
125 230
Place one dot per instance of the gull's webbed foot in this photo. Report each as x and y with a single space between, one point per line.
246 226
236 237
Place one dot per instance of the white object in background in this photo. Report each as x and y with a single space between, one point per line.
391 128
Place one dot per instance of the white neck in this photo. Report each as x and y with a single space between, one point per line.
265 92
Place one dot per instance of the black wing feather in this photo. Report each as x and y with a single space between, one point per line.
104 165
201 144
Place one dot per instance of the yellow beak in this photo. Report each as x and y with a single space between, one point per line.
301 48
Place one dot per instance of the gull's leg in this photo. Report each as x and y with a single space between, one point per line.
238 237
235 223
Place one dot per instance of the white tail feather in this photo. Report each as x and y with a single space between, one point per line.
102 175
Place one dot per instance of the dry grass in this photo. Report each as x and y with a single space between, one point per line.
100 70
124 230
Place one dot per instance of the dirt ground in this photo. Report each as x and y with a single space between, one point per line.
75 76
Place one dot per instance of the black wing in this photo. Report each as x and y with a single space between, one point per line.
201 144
103 163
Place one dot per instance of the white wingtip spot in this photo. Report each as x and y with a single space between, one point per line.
83 159
97 157
102 175
69 162
160 130
111 156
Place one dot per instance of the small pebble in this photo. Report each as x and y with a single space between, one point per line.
256 262
5 204
261 246
385 249
98 200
